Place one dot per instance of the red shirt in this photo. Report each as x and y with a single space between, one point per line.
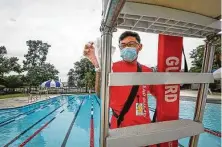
119 94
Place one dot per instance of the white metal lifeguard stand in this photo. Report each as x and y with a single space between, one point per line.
188 18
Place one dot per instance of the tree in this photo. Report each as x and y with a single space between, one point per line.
8 64
90 79
71 78
13 81
39 74
37 52
48 71
84 73
38 70
197 56
3 50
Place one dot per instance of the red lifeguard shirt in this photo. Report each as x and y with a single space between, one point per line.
119 94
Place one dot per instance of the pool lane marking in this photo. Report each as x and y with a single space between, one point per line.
97 101
23 132
38 131
62 111
34 134
91 125
213 132
19 114
8 121
71 125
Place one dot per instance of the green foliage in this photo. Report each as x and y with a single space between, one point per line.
83 74
90 79
8 64
38 70
197 56
13 81
3 50
71 78
39 74
37 52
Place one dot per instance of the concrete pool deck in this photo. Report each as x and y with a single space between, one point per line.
21 101
186 95
190 95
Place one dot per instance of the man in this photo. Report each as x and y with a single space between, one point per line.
138 112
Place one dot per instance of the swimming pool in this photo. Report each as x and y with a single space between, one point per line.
69 121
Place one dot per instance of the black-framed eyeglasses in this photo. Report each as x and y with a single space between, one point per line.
129 44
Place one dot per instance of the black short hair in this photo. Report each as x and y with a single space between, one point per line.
129 33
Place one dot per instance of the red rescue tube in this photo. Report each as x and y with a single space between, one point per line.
169 60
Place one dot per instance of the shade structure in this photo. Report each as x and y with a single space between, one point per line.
187 18
51 83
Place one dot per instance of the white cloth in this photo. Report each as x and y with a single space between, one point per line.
98 50
217 74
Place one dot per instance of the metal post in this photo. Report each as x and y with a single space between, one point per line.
203 89
104 6
111 11
106 68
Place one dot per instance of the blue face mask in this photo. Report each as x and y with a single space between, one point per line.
128 54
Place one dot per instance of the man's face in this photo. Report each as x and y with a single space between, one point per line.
130 42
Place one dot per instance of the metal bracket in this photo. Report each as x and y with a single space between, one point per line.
213 39
106 29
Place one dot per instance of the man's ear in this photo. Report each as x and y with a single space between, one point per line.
140 47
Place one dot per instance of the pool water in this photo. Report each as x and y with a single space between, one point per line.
64 109
65 121
211 120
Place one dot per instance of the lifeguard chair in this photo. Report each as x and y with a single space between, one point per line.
187 18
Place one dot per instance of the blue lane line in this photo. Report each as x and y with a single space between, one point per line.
26 130
97 100
71 125
8 121
26 112
38 131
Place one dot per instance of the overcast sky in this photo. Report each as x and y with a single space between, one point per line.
66 25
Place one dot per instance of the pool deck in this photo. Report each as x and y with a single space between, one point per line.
189 95
21 101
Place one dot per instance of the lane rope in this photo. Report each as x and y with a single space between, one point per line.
91 125
71 125
11 119
37 132
26 130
